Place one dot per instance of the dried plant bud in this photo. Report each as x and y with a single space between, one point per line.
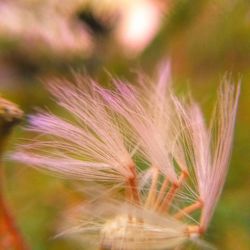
10 114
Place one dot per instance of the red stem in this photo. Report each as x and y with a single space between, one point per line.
8 225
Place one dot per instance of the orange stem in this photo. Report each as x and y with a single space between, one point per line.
168 198
191 230
188 210
152 191
133 185
162 191
171 193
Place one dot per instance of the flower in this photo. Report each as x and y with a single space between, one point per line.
41 27
160 205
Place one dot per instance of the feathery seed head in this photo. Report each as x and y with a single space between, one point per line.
171 198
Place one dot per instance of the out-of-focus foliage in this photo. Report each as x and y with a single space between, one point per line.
204 39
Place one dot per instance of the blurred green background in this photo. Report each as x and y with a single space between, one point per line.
204 40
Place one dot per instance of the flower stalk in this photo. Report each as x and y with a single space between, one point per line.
152 194
188 210
10 115
172 192
133 192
